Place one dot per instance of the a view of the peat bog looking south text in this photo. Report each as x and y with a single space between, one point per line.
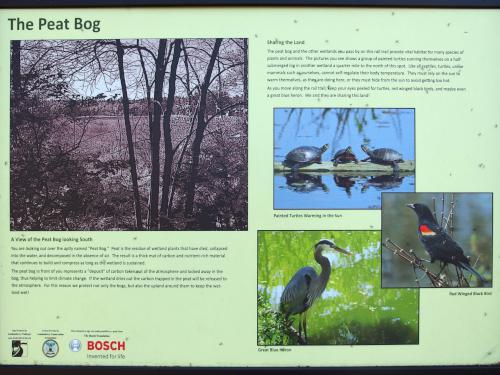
129 134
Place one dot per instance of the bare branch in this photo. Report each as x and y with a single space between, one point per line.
416 262
442 210
222 110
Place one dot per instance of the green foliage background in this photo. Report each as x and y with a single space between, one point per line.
354 309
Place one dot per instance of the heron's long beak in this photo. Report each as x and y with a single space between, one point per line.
411 206
340 250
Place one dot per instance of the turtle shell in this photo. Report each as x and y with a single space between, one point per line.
386 154
303 154
345 152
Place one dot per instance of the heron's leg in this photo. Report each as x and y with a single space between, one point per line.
305 326
300 325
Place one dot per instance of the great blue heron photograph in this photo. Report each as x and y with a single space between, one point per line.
129 134
323 288
437 240
342 158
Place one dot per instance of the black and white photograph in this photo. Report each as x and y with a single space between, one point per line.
136 134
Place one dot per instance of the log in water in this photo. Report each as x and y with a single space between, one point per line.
327 166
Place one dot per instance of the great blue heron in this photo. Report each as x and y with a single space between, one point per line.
306 286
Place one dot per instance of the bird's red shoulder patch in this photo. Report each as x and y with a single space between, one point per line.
426 231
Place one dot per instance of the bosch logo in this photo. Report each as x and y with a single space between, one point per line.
106 345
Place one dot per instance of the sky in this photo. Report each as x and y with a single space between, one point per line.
86 76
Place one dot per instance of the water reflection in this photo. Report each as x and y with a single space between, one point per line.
316 190
305 182
383 182
344 182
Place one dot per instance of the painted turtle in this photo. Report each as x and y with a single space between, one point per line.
344 155
383 156
304 155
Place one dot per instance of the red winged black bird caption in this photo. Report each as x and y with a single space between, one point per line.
438 243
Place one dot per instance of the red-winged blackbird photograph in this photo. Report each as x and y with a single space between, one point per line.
437 240
141 134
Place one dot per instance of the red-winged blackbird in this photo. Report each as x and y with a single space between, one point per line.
437 242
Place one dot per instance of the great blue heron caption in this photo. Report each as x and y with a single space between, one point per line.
306 286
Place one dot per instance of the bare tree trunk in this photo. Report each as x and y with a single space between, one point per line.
188 80
156 134
130 141
167 136
200 129
179 163
16 84
148 87
150 114
245 71
16 67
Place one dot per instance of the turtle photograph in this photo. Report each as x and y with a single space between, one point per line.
437 240
142 134
322 287
356 153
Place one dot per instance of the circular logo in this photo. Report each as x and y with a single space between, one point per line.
75 345
50 348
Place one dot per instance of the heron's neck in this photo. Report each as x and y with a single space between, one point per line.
326 269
